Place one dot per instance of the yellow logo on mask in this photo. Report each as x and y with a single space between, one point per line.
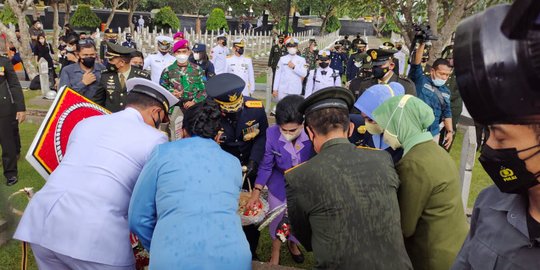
507 174
374 55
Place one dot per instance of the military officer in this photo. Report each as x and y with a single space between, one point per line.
110 36
244 126
219 55
291 70
390 46
129 42
356 41
357 60
12 113
277 51
310 54
242 66
342 204
346 43
383 72
111 92
157 62
338 58
323 76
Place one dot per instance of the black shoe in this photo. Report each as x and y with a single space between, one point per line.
296 258
12 180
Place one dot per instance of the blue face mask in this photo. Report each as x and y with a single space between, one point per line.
439 82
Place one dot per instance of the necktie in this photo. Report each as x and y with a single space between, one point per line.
122 80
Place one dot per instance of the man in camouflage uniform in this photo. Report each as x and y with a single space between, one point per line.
342 203
383 72
310 54
277 51
111 92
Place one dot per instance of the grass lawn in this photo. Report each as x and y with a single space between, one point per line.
261 78
10 254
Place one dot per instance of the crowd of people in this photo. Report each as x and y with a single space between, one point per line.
363 170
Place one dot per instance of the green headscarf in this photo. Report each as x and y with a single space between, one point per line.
408 117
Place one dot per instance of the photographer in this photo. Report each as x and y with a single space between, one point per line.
505 223
432 90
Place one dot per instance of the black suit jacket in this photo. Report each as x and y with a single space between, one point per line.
110 94
11 95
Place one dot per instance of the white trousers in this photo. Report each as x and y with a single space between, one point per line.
47 259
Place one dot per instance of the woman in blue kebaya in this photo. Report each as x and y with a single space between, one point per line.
183 207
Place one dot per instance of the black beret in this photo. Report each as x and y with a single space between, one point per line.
329 97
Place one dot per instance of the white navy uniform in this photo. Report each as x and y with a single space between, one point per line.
242 66
81 212
156 63
219 58
401 57
288 81
320 78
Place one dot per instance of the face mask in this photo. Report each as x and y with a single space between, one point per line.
70 49
88 62
439 82
182 58
357 64
111 67
280 41
323 64
112 40
374 129
379 72
157 122
507 170
291 137
240 51
292 51
137 66
224 43
391 140
197 56
399 48
315 48
128 39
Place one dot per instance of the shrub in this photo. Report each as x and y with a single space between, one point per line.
281 25
84 18
166 18
217 20
332 24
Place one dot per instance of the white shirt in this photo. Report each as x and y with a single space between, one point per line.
141 22
219 58
81 212
400 56
288 81
242 67
156 63
320 78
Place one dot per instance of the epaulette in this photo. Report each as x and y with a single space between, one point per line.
289 170
142 73
361 129
253 104
367 148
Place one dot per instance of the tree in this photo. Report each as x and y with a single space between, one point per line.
7 16
19 7
114 5
166 18
333 24
196 7
217 20
85 18
132 6
67 14
324 9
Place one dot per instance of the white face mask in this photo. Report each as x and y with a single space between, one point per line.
292 51
182 58
315 48
291 137
197 56
358 64
391 140
70 49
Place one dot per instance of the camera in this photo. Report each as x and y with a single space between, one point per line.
497 63
423 32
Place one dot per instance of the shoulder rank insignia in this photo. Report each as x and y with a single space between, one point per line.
254 104
249 123
367 148
361 129
291 169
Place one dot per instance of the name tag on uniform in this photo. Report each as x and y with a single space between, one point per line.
445 95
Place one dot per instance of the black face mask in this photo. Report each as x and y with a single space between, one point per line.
128 39
88 62
137 66
224 43
280 41
240 51
111 67
323 64
507 170
399 48
379 72
157 122
112 40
